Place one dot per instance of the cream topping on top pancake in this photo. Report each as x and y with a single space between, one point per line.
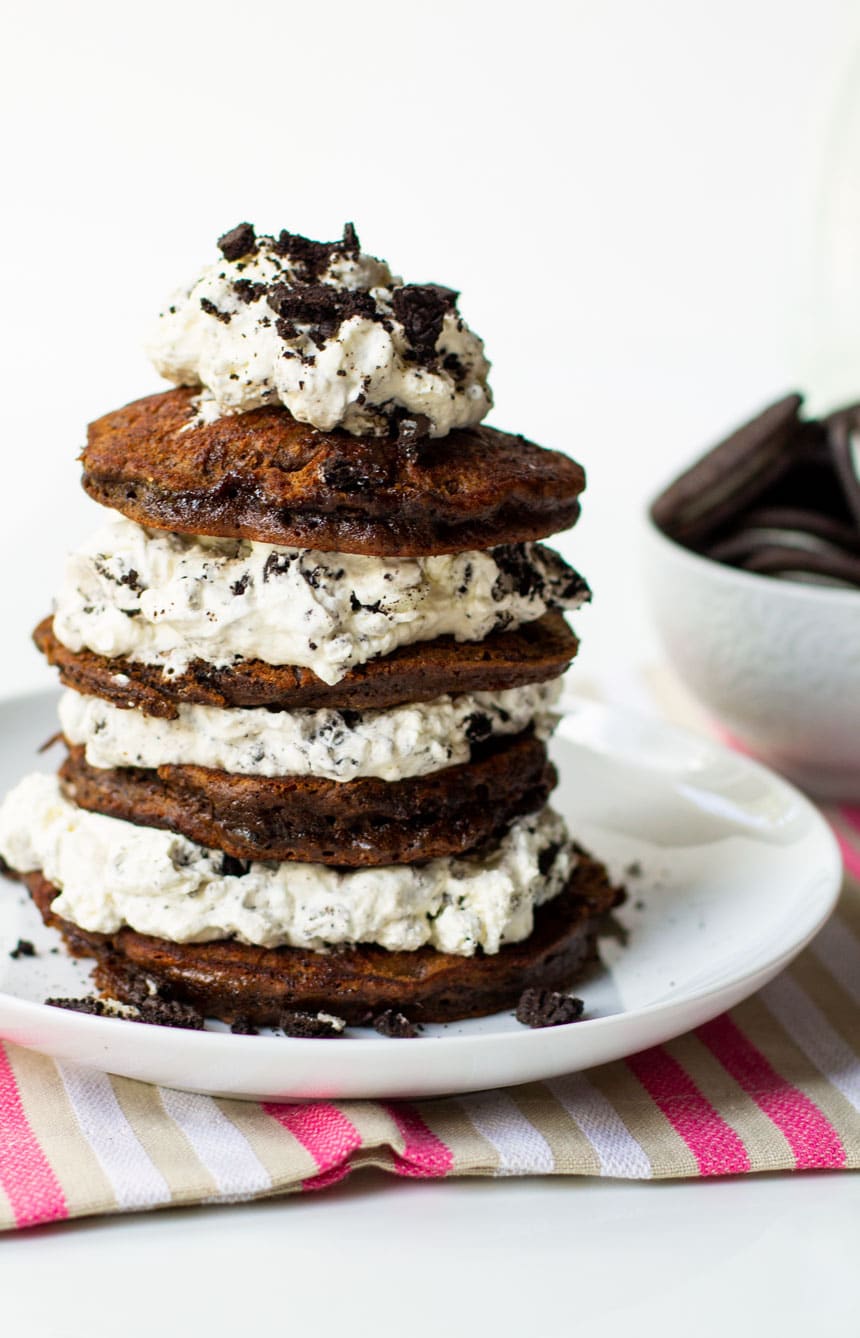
326 330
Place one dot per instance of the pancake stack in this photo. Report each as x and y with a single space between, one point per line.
311 662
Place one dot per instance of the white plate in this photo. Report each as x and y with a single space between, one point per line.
736 873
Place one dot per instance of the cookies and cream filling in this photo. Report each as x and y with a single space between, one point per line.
168 599
392 744
112 873
327 331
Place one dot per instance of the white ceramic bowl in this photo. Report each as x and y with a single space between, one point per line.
776 662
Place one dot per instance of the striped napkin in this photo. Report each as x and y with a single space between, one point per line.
772 1086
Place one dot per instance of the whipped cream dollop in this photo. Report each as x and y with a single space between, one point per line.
167 599
112 873
325 330
392 745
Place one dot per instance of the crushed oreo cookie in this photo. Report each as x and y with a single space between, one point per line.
23 948
420 308
548 1008
548 857
319 306
170 1013
238 242
89 1005
310 259
158 1012
243 1027
231 867
211 310
316 1026
277 564
479 727
395 1025
248 292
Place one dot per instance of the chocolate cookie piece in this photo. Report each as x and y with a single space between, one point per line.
262 475
231 980
843 432
354 823
731 475
535 653
548 1008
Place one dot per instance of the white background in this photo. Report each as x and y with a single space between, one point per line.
650 207
650 210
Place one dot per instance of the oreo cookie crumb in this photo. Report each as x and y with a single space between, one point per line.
517 573
93 1007
633 870
23 948
238 242
170 1013
548 857
318 1026
318 307
242 1027
548 1008
211 310
247 291
159 1012
277 564
231 867
395 1025
479 727
420 309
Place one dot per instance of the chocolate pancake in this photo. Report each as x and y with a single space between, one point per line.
232 980
534 653
262 475
360 822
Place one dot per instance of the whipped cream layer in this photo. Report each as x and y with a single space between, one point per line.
325 330
391 744
111 873
168 599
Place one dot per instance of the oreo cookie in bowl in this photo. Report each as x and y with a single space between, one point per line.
753 571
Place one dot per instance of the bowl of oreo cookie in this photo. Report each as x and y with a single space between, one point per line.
753 572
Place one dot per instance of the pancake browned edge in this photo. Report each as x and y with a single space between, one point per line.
264 476
232 980
534 653
351 823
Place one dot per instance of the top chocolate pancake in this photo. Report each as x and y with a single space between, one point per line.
264 476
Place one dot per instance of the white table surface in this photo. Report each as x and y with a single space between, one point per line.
527 1257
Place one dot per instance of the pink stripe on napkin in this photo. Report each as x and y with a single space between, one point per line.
716 1147
325 1132
33 1190
810 1135
423 1153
